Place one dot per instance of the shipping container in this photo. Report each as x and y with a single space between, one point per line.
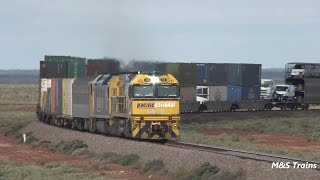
250 74
67 96
43 98
174 70
245 93
102 66
312 90
249 93
45 84
53 96
59 96
234 93
243 74
47 108
202 75
217 74
218 93
73 67
187 74
234 74
54 69
80 97
188 93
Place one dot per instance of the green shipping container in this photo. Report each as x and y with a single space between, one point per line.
174 69
76 67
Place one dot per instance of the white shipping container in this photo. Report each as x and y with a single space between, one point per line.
45 84
218 93
68 97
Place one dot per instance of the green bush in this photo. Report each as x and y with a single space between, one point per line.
153 165
129 159
205 171
68 147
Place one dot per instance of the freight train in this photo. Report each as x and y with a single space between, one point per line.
215 87
203 87
130 104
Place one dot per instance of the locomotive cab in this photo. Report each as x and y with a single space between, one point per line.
154 106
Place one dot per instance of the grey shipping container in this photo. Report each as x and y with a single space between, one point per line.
188 74
59 96
250 74
53 69
243 74
188 93
217 74
80 97
312 90
234 74
218 93
202 74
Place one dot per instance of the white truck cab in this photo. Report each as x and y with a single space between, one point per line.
284 93
202 94
266 88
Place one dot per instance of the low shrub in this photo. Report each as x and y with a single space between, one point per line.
68 147
129 159
205 171
153 165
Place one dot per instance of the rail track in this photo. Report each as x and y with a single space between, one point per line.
240 154
253 110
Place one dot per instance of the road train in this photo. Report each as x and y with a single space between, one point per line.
134 105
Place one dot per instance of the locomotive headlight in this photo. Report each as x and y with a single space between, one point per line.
154 79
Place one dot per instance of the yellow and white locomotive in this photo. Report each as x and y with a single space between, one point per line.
135 105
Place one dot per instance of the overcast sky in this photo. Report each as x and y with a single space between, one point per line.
269 32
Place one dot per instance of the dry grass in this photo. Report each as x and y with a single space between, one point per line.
307 128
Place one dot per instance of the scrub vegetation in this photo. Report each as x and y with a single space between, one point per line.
296 137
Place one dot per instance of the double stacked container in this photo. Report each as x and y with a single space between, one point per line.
243 82
230 82
57 75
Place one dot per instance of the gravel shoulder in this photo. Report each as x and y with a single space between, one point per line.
175 159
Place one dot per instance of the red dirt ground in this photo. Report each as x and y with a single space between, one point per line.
274 139
12 150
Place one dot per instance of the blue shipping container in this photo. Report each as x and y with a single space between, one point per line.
234 93
234 74
201 74
250 93
238 93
